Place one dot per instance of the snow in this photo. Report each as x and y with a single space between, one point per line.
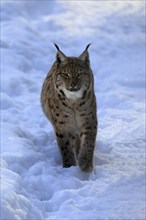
33 183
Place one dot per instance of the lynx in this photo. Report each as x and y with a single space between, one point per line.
69 102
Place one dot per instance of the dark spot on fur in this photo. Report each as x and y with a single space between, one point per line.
83 133
71 136
64 104
67 143
57 114
88 128
62 92
84 94
61 122
82 103
59 135
83 114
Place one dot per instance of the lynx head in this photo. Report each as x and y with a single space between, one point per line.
73 76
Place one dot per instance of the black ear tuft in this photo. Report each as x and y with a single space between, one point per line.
88 46
85 55
57 47
60 57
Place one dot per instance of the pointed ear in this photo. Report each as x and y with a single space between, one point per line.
60 57
85 55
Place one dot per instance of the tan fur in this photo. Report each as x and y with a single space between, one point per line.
69 103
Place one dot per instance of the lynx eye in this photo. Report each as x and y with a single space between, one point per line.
64 75
81 74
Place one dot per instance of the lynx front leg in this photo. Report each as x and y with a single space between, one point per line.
66 150
85 159
77 144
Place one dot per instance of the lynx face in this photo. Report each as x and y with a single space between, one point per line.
73 75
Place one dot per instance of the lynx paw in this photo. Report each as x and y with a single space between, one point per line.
85 164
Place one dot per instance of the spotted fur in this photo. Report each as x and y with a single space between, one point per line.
69 102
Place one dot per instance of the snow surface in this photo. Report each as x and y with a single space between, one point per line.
34 185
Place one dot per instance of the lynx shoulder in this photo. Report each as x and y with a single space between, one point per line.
69 102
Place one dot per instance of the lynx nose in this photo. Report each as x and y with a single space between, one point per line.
73 86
